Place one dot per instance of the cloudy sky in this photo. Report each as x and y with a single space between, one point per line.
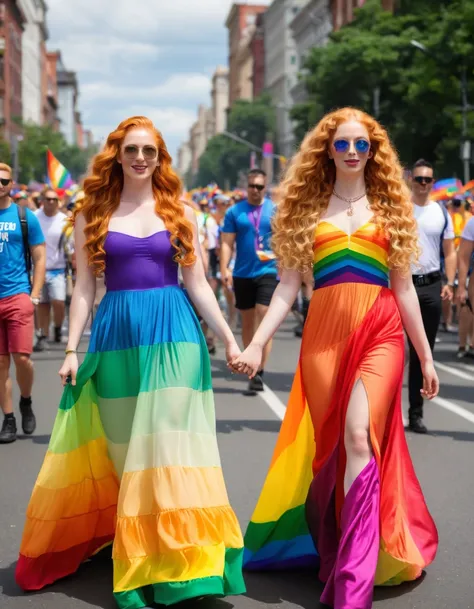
151 57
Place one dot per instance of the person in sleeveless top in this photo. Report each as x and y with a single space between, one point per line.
341 492
133 459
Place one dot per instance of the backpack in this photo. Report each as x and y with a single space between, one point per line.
24 235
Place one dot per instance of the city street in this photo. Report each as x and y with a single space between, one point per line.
248 429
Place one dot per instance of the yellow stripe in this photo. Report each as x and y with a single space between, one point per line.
324 252
287 483
193 563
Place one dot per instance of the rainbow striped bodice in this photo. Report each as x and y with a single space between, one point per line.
361 257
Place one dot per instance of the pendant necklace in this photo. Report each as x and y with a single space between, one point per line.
351 201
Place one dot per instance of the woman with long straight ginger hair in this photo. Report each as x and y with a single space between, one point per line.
133 458
341 491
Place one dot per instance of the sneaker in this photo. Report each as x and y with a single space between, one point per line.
8 432
461 353
256 384
469 353
57 334
28 419
40 344
417 426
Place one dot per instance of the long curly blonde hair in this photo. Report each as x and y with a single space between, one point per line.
304 194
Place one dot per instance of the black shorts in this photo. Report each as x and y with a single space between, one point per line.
213 264
253 291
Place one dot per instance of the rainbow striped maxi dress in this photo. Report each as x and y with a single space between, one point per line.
133 458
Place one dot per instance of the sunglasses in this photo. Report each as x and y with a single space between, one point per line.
361 145
5 181
259 187
51 199
423 180
131 152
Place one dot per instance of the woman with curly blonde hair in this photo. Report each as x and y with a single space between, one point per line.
133 458
341 490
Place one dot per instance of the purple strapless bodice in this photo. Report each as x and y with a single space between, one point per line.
135 263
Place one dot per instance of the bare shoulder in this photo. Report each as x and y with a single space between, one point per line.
79 222
189 213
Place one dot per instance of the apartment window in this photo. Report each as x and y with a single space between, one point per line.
295 9
250 19
293 60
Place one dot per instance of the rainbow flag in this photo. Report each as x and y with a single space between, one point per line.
445 189
58 175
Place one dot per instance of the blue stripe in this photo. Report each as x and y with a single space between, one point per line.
281 551
140 318
348 261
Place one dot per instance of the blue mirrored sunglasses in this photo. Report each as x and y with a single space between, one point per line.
362 146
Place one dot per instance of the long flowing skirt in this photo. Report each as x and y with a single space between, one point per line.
381 532
133 459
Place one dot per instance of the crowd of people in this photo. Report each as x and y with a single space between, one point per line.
368 262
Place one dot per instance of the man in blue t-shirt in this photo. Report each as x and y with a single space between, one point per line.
18 299
247 225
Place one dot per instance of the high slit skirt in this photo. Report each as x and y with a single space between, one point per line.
133 461
381 532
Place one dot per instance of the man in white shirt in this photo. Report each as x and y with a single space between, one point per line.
53 223
436 235
466 289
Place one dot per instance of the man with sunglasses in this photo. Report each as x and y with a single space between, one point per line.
247 225
436 235
53 223
18 298
465 295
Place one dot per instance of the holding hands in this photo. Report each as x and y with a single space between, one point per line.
248 362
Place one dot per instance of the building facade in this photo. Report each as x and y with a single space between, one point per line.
67 102
241 24
257 46
343 10
310 28
12 21
50 88
33 40
184 159
201 132
220 98
281 66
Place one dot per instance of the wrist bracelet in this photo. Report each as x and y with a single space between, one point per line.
68 351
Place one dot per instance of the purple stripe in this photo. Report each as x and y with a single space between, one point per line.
350 277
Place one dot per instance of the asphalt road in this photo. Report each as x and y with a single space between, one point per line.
248 429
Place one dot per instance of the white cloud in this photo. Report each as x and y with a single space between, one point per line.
175 87
155 52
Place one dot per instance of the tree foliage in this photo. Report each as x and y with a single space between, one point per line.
419 92
224 158
32 153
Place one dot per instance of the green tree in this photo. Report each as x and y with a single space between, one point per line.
224 158
32 153
5 152
419 93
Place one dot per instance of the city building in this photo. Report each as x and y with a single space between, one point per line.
343 10
257 45
281 66
220 98
50 88
33 40
67 101
184 159
310 28
88 138
201 132
241 24
12 21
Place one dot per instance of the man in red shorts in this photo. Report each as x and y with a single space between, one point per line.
18 298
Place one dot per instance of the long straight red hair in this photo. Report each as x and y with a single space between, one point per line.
103 188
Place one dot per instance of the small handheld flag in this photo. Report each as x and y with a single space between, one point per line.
58 175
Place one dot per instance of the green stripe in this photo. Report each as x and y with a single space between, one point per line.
291 524
126 373
170 409
77 426
331 258
175 592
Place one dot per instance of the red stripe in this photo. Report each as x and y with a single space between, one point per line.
36 573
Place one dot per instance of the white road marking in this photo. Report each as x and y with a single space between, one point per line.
454 408
455 371
273 402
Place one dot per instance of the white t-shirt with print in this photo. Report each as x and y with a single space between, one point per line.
53 227
430 220
468 232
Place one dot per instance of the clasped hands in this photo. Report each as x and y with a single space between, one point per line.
247 362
